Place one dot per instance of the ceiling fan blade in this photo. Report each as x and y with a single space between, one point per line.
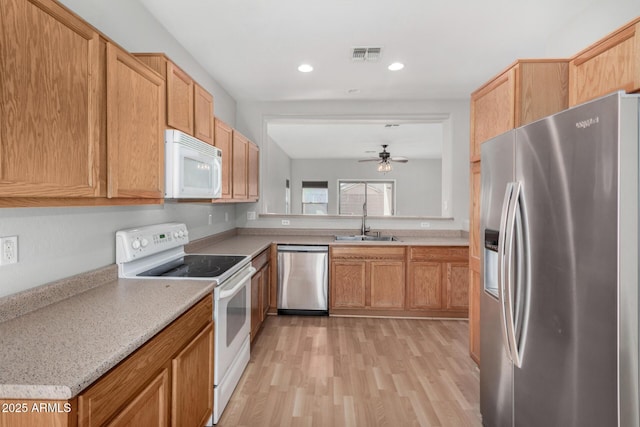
399 159
376 159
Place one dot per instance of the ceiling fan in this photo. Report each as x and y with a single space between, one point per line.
384 158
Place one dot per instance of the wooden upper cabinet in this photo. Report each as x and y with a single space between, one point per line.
224 141
50 113
611 64
189 106
253 171
203 115
527 91
135 139
180 89
239 161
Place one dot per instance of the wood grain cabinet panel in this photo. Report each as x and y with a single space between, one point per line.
224 141
425 286
256 303
149 408
266 291
203 114
610 64
260 291
474 315
180 89
457 280
527 91
240 153
387 284
50 113
348 284
192 373
135 134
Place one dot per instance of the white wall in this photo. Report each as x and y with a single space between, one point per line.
250 119
59 242
274 182
418 183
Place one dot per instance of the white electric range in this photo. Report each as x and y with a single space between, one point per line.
157 252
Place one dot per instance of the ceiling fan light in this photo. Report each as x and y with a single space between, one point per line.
384 167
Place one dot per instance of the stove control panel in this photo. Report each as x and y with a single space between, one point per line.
135 243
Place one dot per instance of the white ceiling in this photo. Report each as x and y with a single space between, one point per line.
357 139
253 47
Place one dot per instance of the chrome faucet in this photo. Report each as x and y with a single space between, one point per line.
364 229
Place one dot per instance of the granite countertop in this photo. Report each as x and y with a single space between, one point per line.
56 351
253 244
57 339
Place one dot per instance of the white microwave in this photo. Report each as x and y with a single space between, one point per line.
193 168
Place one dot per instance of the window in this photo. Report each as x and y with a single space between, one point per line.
379 195
315 197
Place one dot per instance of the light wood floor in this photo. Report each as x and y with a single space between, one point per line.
331 371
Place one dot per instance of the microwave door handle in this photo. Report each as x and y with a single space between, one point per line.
501 266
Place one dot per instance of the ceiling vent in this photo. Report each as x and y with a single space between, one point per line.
366 54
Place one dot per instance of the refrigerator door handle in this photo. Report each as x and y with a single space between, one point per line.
502 297
510 312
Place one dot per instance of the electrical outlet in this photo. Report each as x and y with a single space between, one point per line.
226 217
285 222
425 224
8 250
251 216
210 219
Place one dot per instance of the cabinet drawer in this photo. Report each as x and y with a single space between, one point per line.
611 64
259 261
368 252
439 253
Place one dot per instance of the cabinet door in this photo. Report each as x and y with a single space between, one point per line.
492 110
224 140
149 407
49 102
179 99
474 315
266 290
610 64
192 382
203 114
457 280
348 284
240 153
256 303
135 137
253 172
425 286
386 281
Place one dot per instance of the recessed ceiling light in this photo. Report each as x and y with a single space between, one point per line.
353 91
396 66
305 68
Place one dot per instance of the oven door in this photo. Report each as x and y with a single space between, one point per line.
232 317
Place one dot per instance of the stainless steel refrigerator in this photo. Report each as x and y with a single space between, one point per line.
559 305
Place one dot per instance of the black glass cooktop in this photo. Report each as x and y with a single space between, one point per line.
195 266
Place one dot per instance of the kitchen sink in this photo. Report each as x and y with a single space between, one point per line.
365 238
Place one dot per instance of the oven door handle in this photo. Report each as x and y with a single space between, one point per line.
235 283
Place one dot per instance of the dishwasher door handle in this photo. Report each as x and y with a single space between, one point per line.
296 248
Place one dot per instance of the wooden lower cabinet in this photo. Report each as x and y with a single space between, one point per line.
366 279
438 281
260 291
192 391
167 381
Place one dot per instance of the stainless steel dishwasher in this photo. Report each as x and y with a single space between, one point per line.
303 279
